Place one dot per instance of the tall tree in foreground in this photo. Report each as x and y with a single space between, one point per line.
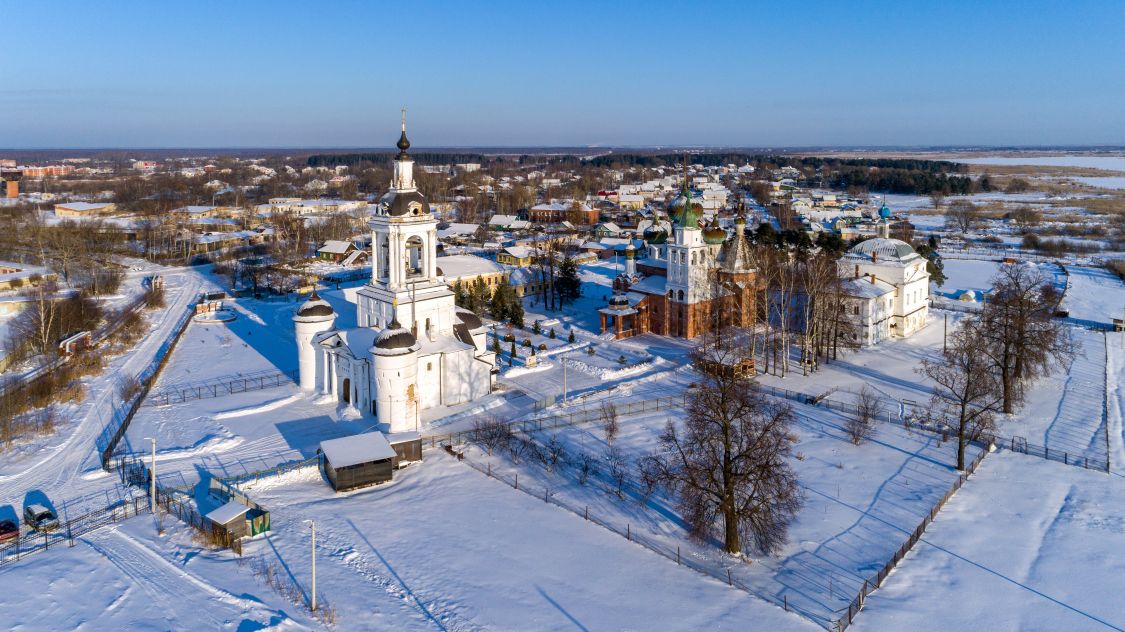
967 393
1019 331
729 460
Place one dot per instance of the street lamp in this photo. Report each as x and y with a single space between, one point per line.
313 524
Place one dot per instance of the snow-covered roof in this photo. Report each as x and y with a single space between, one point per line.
336 247
519 252
456 267
356 449
228 512
864 288
83 206
885 249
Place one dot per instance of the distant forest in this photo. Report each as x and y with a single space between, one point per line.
883 175
385 157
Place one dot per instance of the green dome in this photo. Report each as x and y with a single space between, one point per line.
714 234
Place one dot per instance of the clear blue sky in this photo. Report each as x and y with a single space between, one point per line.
334 74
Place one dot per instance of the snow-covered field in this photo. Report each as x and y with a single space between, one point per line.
1109 163
446 547
860 502
1095 295
1024 545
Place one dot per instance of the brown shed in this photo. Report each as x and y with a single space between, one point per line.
358 461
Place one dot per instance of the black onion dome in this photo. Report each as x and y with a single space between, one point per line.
619 300
403 144
395 337
399 202
315 306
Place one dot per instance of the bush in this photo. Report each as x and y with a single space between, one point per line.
590 350
570 338
551 334
526 342
621 359
542 346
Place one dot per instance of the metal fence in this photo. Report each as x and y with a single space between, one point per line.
35 542
583 415
661 548
980 439
112 434
876 581
219 387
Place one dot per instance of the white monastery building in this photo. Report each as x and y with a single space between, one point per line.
413 348
889 288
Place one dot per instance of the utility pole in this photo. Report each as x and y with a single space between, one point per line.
945 334
152 475
563 359
313 523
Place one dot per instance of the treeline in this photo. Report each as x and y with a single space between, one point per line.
768 161
385 157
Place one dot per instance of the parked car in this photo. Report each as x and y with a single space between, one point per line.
40 518
8 530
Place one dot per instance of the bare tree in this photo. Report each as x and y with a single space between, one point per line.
1019 332
617 468
729 462
587 466
609 421
861 425
967 394
491 434
555 453
963 216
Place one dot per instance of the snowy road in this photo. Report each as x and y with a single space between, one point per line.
65 466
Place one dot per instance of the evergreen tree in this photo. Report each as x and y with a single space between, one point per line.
535 328
567 284
571 337
515 314
500 303
512 351
496 343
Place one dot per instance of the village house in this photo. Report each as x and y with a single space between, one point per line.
84 209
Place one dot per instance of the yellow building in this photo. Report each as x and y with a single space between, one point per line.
84 209
519 256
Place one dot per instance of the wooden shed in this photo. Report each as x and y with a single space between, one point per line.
358 461
407 447
231 520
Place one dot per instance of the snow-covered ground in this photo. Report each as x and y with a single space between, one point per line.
967 275
1024 545
445 547
1095 295
64 466
1109 163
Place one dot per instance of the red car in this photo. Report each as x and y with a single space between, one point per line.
8 530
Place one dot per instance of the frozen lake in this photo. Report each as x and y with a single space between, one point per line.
1112 163
1107 182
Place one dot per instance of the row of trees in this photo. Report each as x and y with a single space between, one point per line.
993 357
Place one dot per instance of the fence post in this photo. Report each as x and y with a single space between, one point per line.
628 531
730 582
517 485
785 602
677 555
586 514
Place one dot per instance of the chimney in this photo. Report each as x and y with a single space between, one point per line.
874 257
872 275
857 270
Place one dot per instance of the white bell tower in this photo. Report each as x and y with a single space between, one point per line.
404 270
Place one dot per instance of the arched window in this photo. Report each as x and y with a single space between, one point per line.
693 258
681 295
414 257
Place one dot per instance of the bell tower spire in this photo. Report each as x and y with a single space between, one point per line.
404 165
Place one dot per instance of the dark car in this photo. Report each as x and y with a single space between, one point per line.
8 530
40 518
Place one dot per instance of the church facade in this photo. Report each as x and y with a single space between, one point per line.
710 280
412 349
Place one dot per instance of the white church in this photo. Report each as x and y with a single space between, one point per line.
888 287
413 348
